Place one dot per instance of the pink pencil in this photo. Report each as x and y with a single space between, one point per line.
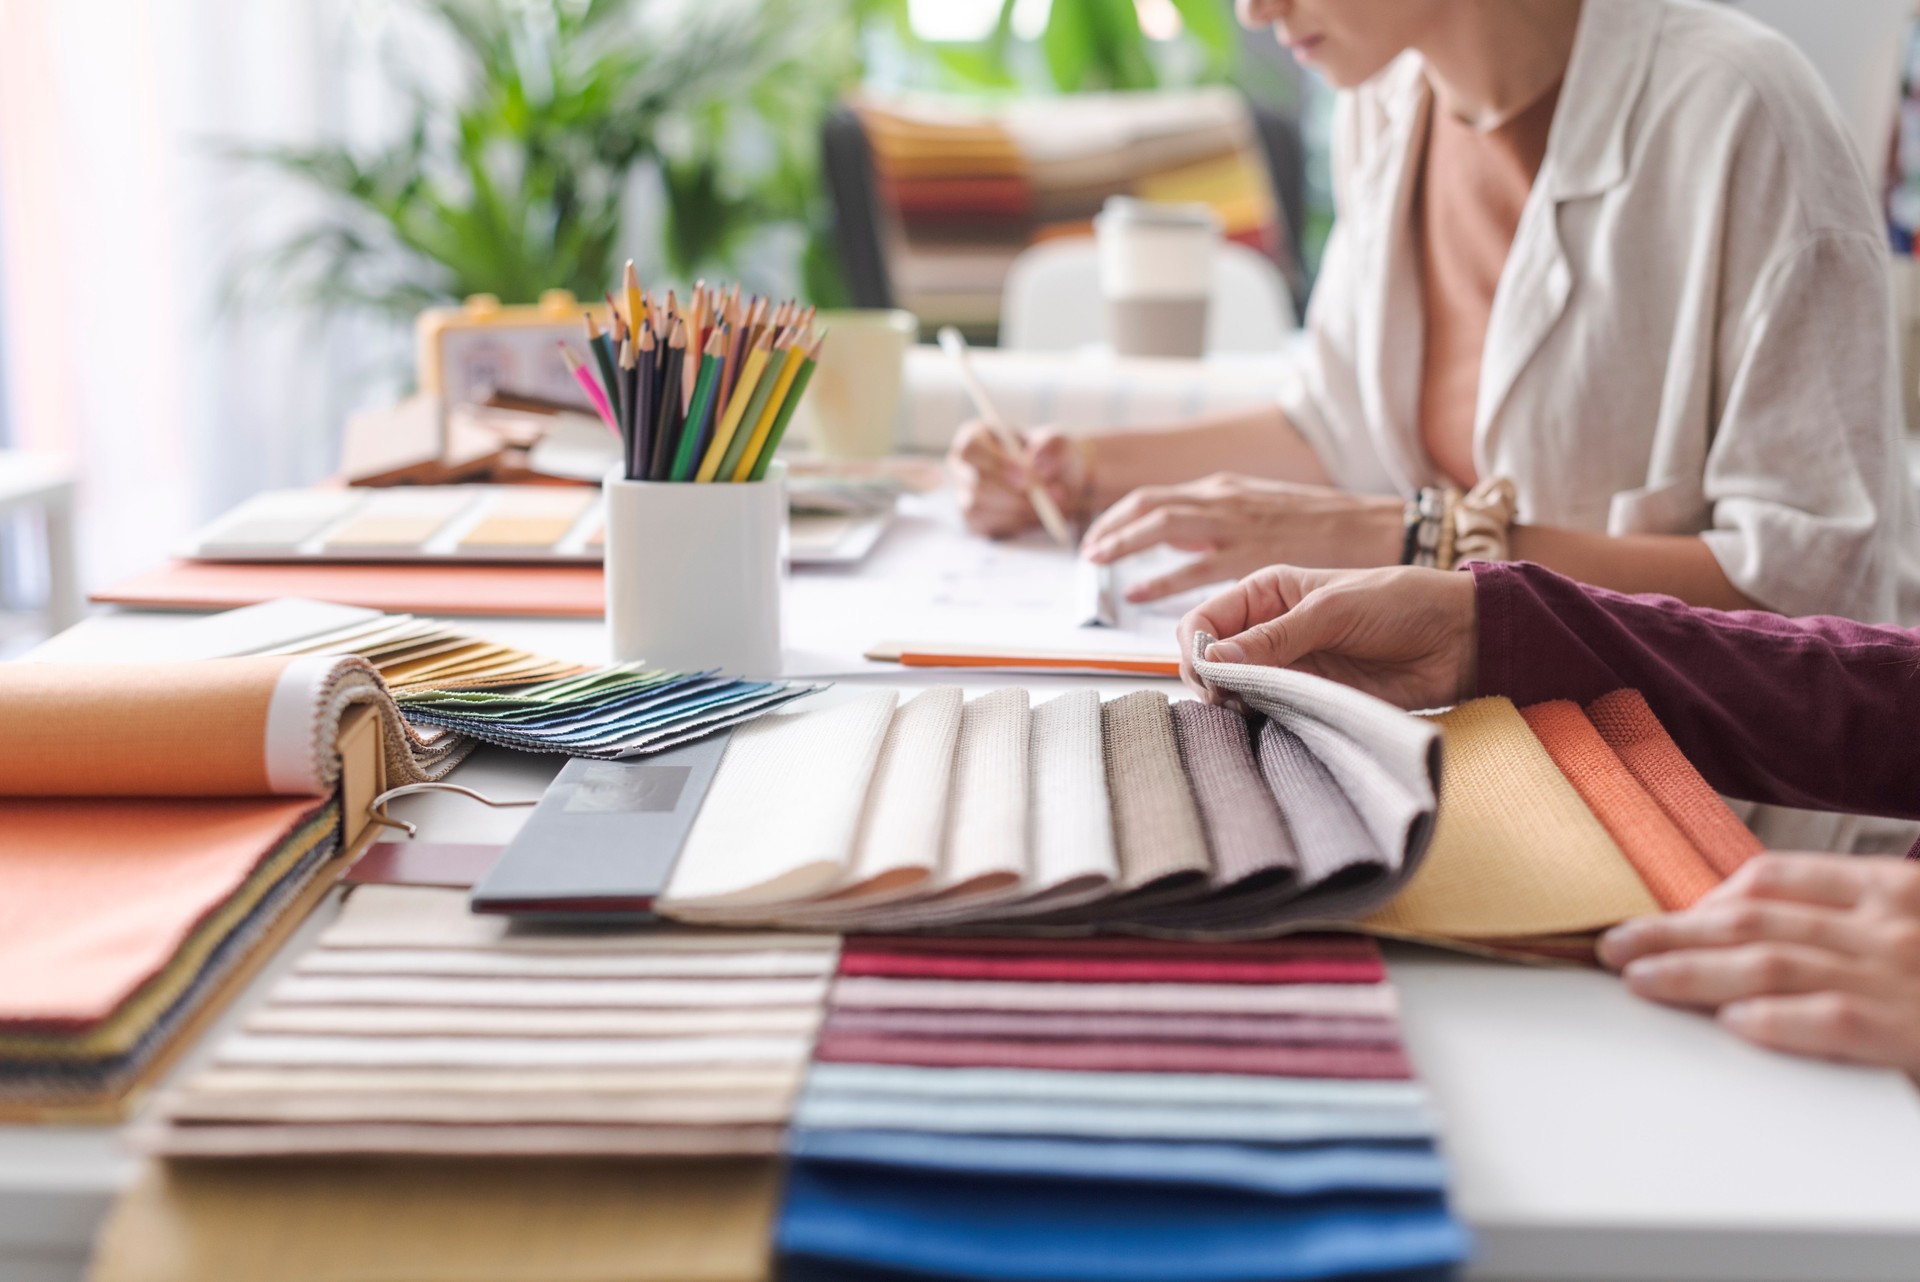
592 389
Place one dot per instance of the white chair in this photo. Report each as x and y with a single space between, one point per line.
1051 300
38 481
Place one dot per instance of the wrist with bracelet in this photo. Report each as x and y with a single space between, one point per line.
1445 529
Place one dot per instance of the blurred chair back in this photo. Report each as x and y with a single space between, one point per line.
1051 301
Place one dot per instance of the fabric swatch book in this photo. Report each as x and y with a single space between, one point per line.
1308 804
162 827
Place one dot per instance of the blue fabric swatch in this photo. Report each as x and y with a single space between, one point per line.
1001 1229
1271 1169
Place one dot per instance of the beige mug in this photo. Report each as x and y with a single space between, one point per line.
852 406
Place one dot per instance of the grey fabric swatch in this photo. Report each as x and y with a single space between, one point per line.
1156 824
1245 832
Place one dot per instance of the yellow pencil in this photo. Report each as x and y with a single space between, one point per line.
795 352
636 308
736 409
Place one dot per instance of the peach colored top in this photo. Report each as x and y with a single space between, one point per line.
1472 185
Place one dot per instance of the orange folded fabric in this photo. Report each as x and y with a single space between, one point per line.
544 591
1673 869
102 891
1629 727
149 730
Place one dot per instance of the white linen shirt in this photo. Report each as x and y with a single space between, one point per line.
1693 332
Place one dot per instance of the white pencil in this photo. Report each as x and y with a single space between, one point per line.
955 346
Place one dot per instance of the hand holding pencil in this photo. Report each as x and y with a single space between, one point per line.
991 450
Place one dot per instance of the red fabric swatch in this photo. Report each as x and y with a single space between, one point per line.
1335 1061
1139 970
1146 1026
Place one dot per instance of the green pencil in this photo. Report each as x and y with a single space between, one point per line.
705 391
759 472
756 406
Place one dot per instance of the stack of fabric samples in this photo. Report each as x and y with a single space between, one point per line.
1314 805
447 679
414 1027
967 189
1059 1111
162 828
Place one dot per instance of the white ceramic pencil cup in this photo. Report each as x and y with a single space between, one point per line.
695 573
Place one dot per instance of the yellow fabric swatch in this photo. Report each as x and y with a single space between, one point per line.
1515 851
422 1220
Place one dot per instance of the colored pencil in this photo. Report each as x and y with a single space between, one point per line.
705 392
669 418
756 405
603 357
636 304
577 368
645 354
790 359
756 360
794 393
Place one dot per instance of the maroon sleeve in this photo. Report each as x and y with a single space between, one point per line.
1819 713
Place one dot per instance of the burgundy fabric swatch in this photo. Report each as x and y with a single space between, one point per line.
1358 1061
1142 970
1146 1026
1237 810
1358 947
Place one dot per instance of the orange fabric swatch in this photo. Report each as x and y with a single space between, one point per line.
1629 727
101 892
542 591
148 730
1667 862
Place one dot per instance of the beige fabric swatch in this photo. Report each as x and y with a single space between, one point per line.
779 821
704 964
677 1080
460 990
495 1021
986 837
432 917
1156 826
1515 851
416 1140
355 1220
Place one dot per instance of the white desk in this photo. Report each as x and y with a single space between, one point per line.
1594 1138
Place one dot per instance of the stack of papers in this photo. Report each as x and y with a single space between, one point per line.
415 1027
1059 1110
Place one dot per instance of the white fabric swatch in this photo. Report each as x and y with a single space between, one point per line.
506 964
778 824
896 853
437 990
508 1052
513 1021
1070 820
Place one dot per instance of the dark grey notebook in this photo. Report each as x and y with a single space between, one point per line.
604 838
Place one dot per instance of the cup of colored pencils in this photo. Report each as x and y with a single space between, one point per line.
696 511
701 393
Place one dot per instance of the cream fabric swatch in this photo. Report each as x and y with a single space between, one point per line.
1070 820
671 1079
705 964
1156 826
897 850
1516 852
779 821
348 1220
463 990
509 1021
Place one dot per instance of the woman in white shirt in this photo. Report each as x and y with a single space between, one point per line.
1620 254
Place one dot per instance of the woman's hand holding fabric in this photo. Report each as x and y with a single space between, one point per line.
1406 635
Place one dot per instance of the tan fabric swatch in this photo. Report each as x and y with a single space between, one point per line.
1155 822
1515 851
350 1220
